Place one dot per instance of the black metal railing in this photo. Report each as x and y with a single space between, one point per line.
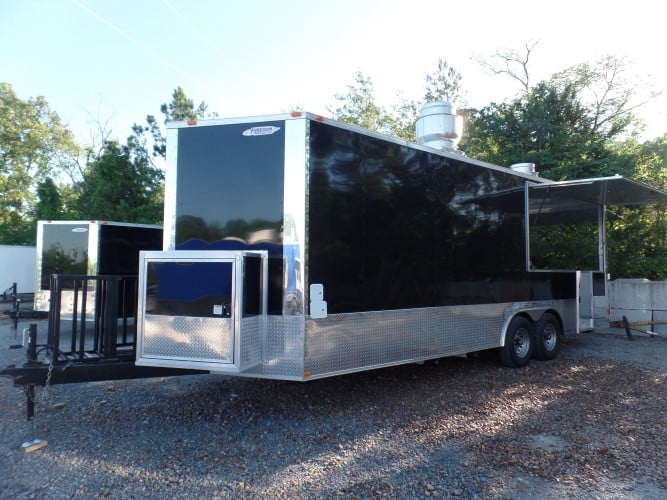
91 337
92 318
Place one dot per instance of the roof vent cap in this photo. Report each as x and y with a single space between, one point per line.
438 126
526 168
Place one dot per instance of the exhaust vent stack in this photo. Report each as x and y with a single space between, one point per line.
438 126
526 168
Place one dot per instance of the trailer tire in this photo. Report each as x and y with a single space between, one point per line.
519 343
549 336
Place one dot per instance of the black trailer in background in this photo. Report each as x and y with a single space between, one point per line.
88 248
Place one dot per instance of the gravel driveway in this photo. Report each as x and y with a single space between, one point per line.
591 423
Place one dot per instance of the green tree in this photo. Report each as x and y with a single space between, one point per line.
637 236
566 125
181 108
546 126
444 84
34 144
122 182
579 124
357 106
119 187
49 201
403 118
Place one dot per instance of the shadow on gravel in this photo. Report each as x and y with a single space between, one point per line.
454 426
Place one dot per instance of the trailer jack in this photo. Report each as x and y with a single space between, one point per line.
630 327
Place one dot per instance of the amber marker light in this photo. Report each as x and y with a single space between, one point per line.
307 374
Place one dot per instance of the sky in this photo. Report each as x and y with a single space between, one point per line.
112 62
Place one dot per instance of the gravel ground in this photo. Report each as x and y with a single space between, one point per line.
590 424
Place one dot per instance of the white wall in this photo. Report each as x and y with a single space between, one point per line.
639 300
17 265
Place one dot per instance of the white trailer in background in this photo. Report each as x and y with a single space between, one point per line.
17 266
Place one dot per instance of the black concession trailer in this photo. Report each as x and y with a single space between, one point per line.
297 248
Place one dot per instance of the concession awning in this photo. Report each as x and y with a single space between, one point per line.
585 193
572 197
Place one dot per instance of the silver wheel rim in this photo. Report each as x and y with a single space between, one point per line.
521 342
549 337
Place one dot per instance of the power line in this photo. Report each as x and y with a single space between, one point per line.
136 43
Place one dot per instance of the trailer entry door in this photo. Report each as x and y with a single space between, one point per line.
202 310
591 299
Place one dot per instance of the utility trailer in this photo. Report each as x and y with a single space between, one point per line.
93 248
86 280
297 248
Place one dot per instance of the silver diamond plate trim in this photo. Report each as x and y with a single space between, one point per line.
251 341
283 349
293 345
353 342
184 338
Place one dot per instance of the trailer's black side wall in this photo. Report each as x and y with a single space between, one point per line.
229 193
120 247
392 227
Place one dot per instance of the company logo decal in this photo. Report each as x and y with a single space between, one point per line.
268 130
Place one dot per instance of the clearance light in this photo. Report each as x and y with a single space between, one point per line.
192 122
307 374
319 118
296 114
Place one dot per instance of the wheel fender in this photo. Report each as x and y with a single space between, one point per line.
534 314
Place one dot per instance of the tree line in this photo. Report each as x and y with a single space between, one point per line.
579 123
46 175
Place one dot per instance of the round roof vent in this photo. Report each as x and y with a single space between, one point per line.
438 126
526 168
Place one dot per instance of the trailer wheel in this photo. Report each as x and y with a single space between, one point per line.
519 343
549 336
